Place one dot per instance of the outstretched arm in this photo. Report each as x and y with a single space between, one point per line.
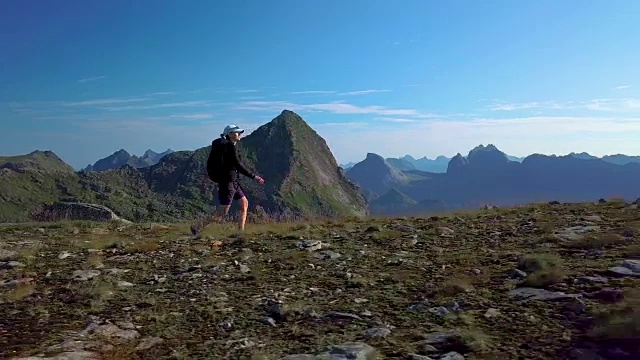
243 170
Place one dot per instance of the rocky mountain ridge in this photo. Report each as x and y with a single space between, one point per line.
121 157
487 176
440 163
302 180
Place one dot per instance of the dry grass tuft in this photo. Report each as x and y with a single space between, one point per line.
142 246
21 291
543 269
598 241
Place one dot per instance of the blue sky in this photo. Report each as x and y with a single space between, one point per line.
86 78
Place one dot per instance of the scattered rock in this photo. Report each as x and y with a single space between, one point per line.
148 342
419 357
351 351
491 313
328 255
451 356
592 218
627 268
376 333
445 231
84 275
311 245
335 314
607 295
8 255
518 274
68 355
591 279
405 228
11 265
575 232
76 211
16 282
529 294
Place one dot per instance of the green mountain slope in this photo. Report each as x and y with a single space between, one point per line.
302 179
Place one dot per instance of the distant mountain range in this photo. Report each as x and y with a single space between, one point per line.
488 176
303 179
122 157
440 163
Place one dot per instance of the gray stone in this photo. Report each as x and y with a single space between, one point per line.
84 275
627 268
419 357
576 306
335 314
592 218
440 311
518 274
591 279
7 255
149 342
69 355
346 351
311 245
377 333
438 339
351 351
77 211
328 255
575 232
528 294
11 265
452 356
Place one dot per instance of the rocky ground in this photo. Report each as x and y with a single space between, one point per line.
548 281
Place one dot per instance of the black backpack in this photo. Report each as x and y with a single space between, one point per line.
214 162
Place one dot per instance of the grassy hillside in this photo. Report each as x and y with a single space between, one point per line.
535 282
303 180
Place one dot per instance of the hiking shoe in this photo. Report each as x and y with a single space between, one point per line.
195 229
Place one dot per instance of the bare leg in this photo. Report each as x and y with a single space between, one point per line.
204 222
220 213
244 205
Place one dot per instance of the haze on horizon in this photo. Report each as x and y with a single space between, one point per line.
424 79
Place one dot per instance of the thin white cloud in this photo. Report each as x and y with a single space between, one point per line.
627 104
92 79
161 93
191 116
161 105
332 107
363 92
622 87
313 92
610 105
397 120
251 97
103 101
248 91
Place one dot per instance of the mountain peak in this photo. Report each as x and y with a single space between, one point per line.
41 161
300 167
376 173
487 156
456 163
374 157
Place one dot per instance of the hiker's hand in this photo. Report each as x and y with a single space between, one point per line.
259 179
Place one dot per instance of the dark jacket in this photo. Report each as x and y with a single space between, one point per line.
231 164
